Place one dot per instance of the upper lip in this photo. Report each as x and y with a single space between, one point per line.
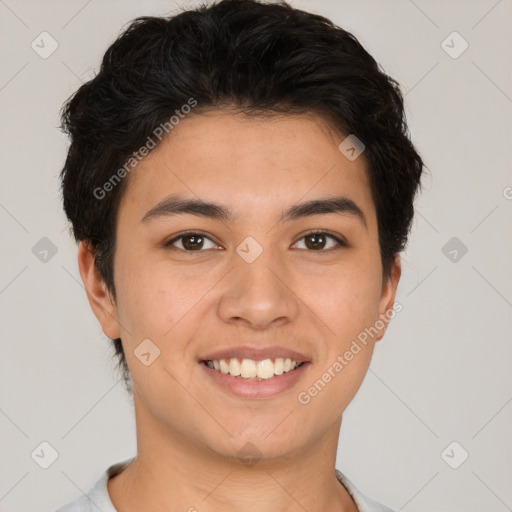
256 353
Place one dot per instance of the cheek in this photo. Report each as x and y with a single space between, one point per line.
140 306
347 301
348 311
154 298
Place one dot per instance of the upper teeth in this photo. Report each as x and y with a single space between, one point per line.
250 369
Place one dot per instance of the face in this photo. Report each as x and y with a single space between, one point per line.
243 243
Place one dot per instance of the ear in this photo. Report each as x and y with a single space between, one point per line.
102 304
387 299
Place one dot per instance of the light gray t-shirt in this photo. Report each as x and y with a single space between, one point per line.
98 499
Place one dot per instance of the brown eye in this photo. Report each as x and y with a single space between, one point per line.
316 241
191 242
321 242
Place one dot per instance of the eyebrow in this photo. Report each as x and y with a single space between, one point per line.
174 205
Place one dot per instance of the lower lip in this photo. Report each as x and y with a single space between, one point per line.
264 388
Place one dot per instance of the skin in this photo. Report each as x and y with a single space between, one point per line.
316 301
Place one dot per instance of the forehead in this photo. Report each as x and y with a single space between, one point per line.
254 164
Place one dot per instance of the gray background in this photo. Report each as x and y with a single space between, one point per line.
442 372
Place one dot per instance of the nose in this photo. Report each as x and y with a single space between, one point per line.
258 294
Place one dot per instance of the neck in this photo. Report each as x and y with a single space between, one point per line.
170 472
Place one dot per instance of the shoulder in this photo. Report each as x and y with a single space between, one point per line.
97 498
363 503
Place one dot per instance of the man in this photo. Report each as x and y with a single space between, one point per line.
240 181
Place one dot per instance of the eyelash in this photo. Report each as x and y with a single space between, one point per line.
341 243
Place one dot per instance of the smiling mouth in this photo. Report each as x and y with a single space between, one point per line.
251 369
